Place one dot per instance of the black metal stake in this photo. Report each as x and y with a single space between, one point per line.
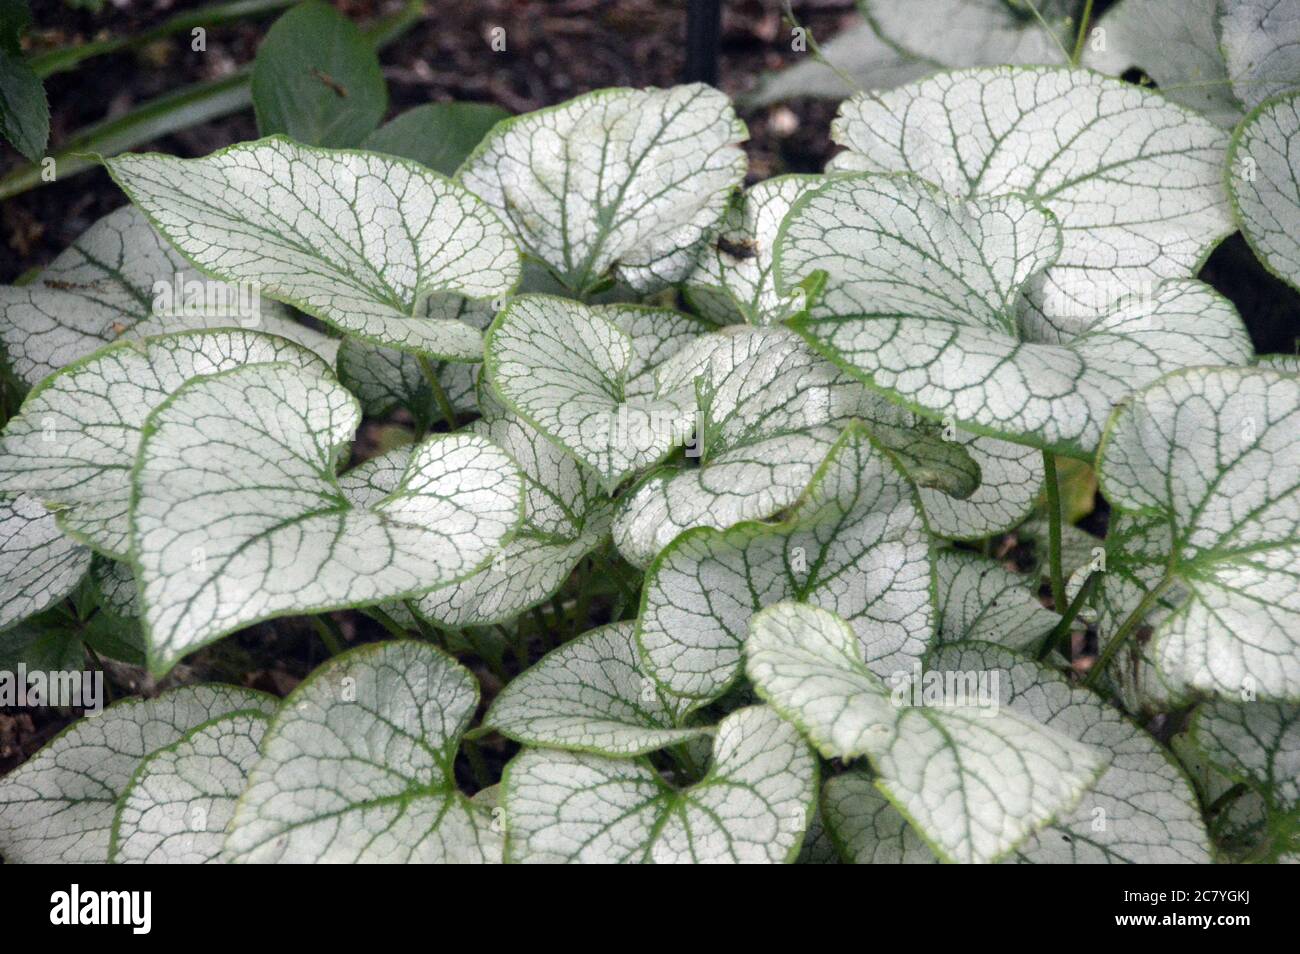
703 29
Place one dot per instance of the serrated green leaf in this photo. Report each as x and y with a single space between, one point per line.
920 301
619 183
74 441
1141 810
1135 181
1261 44
1176 43
357 766
359 240
58 806
1004 775
38 564
316 79
752 806
566 368
181 798
590 695
1212 455
1011 478
438 135
1264 182
120 279
770 410
237 514
24 110
41 644
855 544
982 600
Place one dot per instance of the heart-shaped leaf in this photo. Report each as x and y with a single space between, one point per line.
856 544
1212 455
619 184
1135 181
590 695
753 805
120 279
1264 181
920 301
769 411
565 368
1261 44
58 806
39 565
316 79
267 530
74 442
359 240
182 797
357 766
982 600
1007 775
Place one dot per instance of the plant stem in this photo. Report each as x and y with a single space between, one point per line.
386 621
1056 575
1084 20
1063 627
439 395
1126 629
329 634
59 60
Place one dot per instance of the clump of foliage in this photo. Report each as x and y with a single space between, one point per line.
718 468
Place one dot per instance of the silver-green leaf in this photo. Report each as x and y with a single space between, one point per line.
74 441
237 514
619 184
975 779
58 806
752 806
359 240
357 766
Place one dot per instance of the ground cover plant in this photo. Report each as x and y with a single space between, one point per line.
928 508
